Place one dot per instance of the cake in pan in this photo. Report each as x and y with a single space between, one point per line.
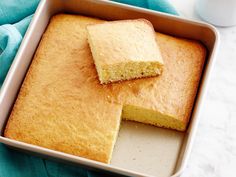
124 50
62 105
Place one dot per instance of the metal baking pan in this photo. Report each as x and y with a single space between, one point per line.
141 150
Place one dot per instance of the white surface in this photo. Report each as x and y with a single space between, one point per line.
217 12
214 150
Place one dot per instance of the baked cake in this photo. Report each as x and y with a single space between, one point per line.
62 105
124 50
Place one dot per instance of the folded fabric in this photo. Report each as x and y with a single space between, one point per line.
15 16
157 5
10 39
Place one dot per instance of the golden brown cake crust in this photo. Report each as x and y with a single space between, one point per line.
62 105
119 33
124 50
54 108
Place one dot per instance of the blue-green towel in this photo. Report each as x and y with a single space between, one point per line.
15 16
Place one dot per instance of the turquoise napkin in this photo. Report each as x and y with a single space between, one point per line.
158 5
15 16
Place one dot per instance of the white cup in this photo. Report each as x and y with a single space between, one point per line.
217 12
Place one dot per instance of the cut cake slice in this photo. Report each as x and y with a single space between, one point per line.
124 50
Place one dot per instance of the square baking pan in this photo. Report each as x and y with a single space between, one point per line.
140 150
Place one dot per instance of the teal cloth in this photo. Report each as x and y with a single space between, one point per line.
15 16
158 5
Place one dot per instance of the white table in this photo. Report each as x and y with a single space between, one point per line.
214 150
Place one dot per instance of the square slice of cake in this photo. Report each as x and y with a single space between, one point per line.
124 50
